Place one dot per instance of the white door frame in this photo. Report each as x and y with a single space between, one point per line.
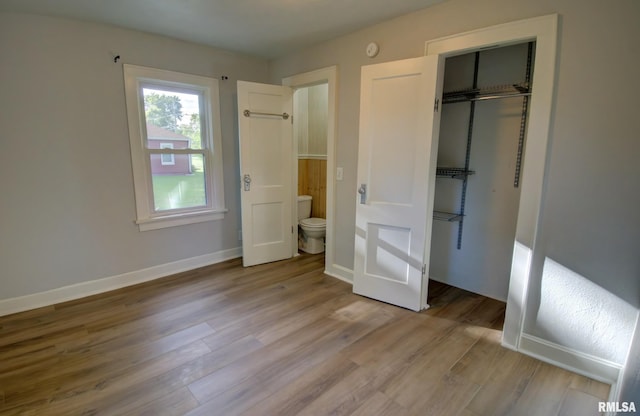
329 76
527 260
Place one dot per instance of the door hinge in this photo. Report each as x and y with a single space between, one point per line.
436 105
292 229
424 269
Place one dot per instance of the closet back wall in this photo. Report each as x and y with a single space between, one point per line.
483 263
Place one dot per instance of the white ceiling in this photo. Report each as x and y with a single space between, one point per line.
266 28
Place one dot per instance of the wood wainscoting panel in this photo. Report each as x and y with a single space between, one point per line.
312 180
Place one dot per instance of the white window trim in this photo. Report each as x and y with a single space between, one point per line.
147 217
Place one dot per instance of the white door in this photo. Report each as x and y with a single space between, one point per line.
397 153
266 166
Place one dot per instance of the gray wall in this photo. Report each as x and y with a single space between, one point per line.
589 221
67 205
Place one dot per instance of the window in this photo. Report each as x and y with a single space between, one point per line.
175 138
165 158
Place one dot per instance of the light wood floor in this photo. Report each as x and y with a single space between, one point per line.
277 339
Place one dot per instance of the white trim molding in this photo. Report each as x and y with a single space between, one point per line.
573 360
315 157
106 284
340 273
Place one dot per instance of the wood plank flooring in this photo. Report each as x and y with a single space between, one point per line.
276 339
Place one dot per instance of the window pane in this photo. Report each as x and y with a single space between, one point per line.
167 159
180 185
173 117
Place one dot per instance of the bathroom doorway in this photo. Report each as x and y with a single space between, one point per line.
310 131
314 148
310 106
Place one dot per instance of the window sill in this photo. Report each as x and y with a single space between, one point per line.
155 223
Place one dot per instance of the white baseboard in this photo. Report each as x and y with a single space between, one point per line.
340 272
92 287
572 360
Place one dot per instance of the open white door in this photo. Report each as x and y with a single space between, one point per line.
398 146
266 164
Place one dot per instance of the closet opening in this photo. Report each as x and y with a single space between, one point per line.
481 149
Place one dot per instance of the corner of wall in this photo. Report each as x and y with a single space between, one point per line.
340 272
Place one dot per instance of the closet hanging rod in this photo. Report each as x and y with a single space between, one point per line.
487 93
493 97
460 98
248 113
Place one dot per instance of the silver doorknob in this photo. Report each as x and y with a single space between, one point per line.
363 193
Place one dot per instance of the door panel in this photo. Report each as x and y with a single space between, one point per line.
396 164
266 165
388 251
392 139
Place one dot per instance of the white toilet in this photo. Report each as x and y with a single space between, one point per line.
311 237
